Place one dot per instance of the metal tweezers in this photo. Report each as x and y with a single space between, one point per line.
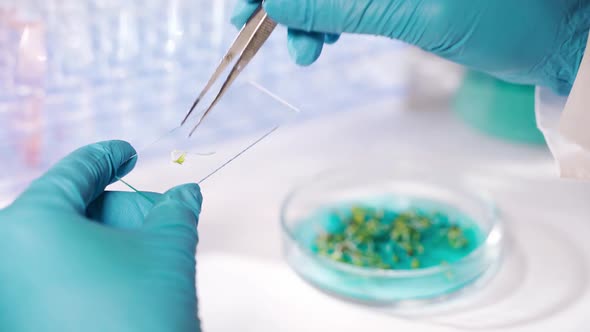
248 42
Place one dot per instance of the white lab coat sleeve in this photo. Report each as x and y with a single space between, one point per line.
565 123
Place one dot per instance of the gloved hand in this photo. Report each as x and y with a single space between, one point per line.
76 258
305 47
526 41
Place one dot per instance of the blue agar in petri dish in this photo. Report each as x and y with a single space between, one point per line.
441 269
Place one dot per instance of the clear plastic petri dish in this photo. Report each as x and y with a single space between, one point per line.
309 210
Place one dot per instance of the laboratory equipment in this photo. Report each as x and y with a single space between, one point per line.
248 42
172 157
307 212
498 108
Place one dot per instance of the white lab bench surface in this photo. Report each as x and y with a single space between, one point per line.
244 284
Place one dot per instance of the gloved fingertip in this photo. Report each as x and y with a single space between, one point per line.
331 38
122 155
188 194
305 47
120 150
242 12
127 166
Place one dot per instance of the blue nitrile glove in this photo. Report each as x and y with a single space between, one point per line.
76 258
526 41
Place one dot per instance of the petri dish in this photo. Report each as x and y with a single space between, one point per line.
310 208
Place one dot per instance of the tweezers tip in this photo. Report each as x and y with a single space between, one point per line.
190 111
195 127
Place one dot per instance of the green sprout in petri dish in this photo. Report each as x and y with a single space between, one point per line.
384 239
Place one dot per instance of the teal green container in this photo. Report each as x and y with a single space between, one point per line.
499 109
